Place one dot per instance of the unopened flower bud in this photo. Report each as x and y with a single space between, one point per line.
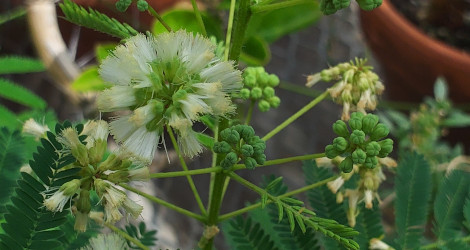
359 115
340 144
368 123
346 165
142 5
357 137
358 156
245 131
256 93
250 80
250 163
264 105
118 176
247 150
83 204
274 101
268 92
273 80
81 221
371 162
260 158
348 76
355 123
139 174
122 5
245 93
230 135
331 152
341 129
372 148
222 147
379 132
386 147
263 79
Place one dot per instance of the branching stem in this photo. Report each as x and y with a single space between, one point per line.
154 13
258 8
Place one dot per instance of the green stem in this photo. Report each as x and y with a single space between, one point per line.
242 17
296 115
165 203
250 112
154 13
126 236
185 168
199 17
185 173
269 7
283 160
229 29
257 205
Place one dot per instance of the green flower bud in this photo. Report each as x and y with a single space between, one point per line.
263 79
274 101
264 105
327 7
357 137
371 162
359 115
245 131
273 80
386 147
340 144
245 93
118 176
250 163
71 187
222 147
259 70
226 164
260 159
249 71
341 129
254 140
259 146
247 150
250 80
268 92
346 166
355 123
372 148
83 204
379 132
331 152
358 156
369 4
340 4
122 5
368 123
230 135
326 74
142 5
256 93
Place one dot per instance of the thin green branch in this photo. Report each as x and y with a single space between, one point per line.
228 37
283 160
154 13
296 115
185 168
250 112
164 203
186 173
12 14
269 7
199 17
257 205
242 17
126 236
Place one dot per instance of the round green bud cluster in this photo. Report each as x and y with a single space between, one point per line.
329 7
362 142
142 5
122 5
240 143
259 86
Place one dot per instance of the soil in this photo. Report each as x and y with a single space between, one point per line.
445 20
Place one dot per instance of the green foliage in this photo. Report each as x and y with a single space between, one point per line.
89 80
11 158
27 223
413 190
322 200
16 64
95 20
145 237
16 93
369 225
243 234
449 205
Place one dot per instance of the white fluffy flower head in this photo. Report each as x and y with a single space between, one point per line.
171 79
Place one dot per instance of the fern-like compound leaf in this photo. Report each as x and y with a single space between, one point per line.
95 20
18 94
322 200
413 189
369 225
147 238
28 225
244 234
449 205
15 64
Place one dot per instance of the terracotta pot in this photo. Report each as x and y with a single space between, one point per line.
412 60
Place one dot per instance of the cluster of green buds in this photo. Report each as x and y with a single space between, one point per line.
356 88
259 86
329 7
363 145
240 143
122 5
88 147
